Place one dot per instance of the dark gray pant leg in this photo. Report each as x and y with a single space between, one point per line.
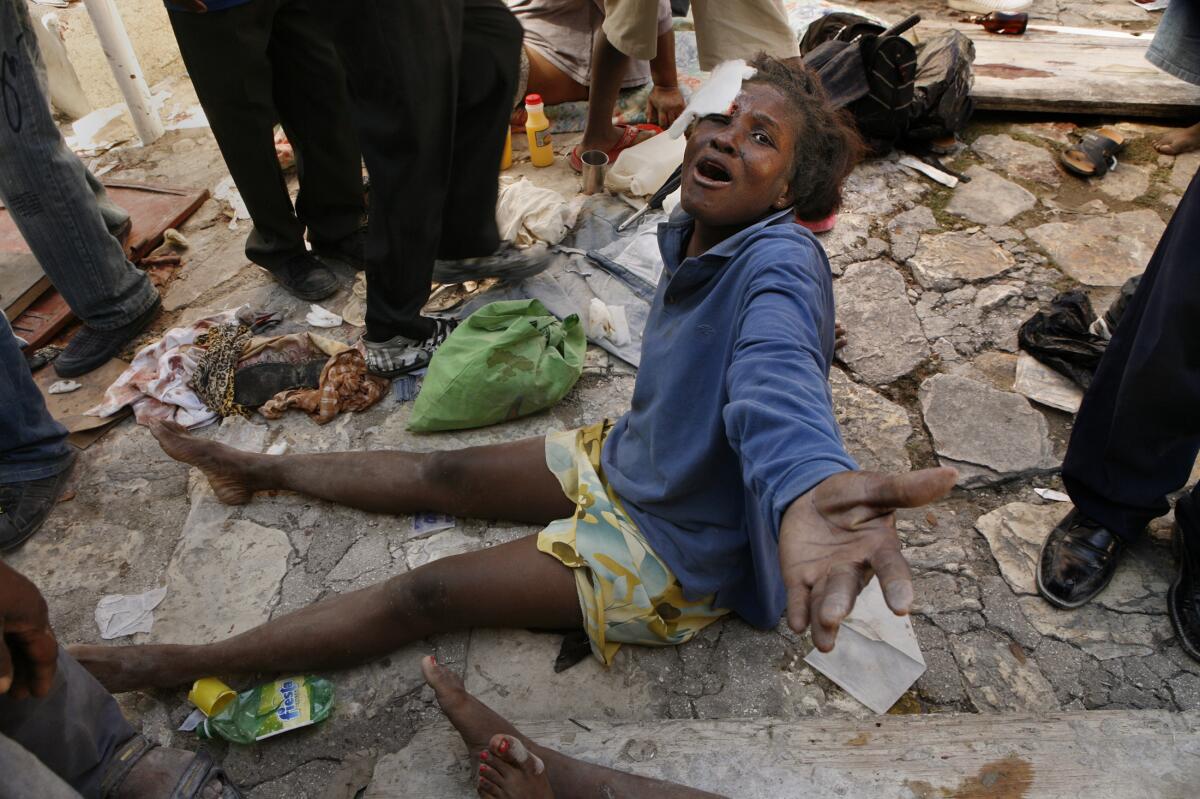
73 730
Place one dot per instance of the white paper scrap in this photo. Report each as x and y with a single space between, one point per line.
64 387
319 317
928 171
192 721
118 614
1051 494
876 657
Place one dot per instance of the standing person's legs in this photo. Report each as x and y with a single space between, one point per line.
630 30
314 107
226 55
402 64
728 29
35 455
46 190
25 775
1137 434
489 67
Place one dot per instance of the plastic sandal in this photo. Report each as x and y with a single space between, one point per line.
1095 154
629 137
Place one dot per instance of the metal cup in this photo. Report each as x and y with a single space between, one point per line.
595 167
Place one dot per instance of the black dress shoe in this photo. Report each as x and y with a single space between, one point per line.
1077 561
90 348
305 277
24 506
1183 600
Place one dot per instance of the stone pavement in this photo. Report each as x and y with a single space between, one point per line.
932 284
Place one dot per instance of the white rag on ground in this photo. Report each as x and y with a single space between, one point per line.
527 213
156 382
121 614
876 657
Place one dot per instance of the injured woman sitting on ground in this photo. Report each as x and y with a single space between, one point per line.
725 488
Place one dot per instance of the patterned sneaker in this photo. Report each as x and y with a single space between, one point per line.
400 355
24 506
507 262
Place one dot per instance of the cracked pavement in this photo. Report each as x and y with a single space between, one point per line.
932 284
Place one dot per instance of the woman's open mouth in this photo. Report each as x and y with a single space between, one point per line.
710 173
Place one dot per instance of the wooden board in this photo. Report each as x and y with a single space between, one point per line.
42 320
21 282
153 210
1072 74
1130 754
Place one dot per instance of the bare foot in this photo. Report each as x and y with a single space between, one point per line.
128 668
508 769
226 468
609 138
840 337
505 765
1179 141
158 772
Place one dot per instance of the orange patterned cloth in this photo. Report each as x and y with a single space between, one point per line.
345 386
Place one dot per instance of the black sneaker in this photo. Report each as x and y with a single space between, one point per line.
400 355
351 250
91 348
24 506
304 276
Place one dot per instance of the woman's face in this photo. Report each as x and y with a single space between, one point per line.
737 166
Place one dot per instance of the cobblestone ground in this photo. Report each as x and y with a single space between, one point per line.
932 284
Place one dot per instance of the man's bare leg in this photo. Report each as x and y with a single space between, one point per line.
485 731
510 585
608 70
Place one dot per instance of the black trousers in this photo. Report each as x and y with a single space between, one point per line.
432 86
271 61
1138 431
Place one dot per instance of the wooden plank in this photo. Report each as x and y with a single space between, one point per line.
153 209
1072 74
43 319
1130 754
21 282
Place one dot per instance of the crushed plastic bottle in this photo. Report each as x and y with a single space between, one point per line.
270 709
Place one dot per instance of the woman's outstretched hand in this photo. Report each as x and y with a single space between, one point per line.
834 537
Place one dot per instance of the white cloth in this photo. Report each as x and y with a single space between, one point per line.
527 213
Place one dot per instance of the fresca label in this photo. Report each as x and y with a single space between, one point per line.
285 707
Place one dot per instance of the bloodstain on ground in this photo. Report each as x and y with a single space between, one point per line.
1010 778
1010 71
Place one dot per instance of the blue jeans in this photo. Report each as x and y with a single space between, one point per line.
1176 45
60 210
32 444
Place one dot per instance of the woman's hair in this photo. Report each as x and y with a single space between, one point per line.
827 144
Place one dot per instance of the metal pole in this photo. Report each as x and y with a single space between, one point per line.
125 68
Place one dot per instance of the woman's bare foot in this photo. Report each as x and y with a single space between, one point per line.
505 765
508 769
1179 141
128 668
226 468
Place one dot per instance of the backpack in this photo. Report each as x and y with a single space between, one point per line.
868 70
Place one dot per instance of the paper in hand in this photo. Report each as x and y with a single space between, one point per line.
876 657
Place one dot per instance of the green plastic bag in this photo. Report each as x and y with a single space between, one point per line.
508 359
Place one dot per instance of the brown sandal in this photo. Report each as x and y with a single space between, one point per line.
1095 154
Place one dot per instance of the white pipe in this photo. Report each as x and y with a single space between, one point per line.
125 68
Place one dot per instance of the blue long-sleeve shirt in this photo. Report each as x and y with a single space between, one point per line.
732 416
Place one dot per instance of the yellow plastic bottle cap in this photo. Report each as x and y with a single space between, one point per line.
210 695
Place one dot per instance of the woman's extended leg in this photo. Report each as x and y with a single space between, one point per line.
501 481
511 585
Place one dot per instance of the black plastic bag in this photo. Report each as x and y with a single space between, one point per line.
1061 338
942 101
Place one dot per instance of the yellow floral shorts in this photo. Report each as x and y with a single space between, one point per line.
627 594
